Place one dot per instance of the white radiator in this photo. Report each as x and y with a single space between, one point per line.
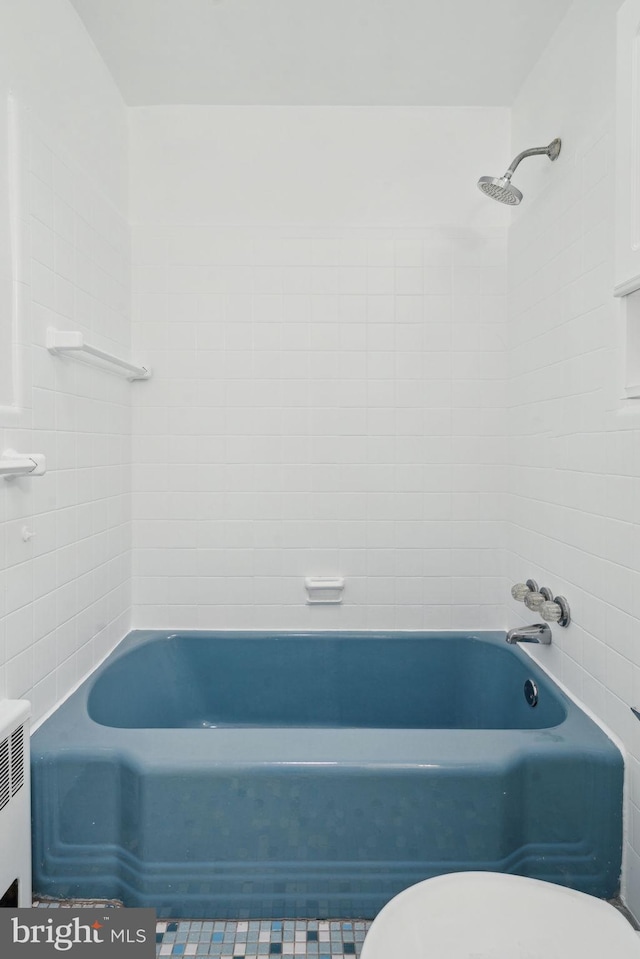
15 803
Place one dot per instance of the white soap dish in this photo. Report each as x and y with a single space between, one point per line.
324 590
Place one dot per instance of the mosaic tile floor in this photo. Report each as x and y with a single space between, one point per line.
294 939
257 938
249 939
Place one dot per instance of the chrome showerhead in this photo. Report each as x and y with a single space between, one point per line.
501 188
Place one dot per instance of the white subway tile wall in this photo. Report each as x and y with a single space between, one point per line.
65 592
323 401
350 400
574 442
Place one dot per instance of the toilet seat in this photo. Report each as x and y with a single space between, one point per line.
486 915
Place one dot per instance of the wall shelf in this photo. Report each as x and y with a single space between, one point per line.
72 343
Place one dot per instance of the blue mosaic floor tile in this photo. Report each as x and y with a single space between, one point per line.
262 939
249 938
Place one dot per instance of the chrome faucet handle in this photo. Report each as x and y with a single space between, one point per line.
556 611
520 590
551 612
534 600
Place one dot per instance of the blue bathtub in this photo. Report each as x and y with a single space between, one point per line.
314 775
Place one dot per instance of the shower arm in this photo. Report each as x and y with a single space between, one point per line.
552 151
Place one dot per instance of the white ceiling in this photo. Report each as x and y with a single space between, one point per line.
432 52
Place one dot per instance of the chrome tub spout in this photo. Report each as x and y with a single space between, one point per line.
536 633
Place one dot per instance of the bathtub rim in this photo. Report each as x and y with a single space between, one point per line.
318 746
498 633
488 644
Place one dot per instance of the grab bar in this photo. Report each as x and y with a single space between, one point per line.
72 341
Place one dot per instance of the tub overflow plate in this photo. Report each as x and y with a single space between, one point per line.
531 692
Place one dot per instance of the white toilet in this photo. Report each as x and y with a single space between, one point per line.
487 915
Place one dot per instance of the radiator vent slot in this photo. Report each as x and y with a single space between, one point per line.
5 774
17 760
15 795
11 765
